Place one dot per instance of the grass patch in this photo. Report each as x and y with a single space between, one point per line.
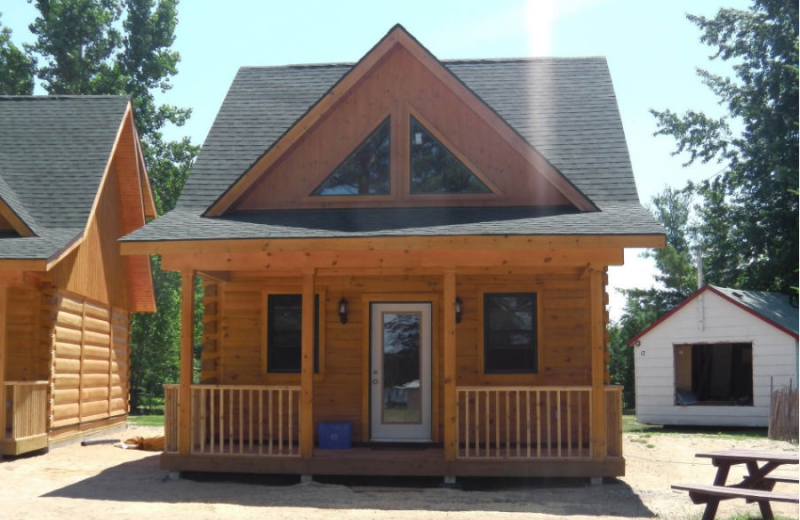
146 420
629 425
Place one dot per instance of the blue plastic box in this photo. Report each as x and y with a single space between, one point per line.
335 435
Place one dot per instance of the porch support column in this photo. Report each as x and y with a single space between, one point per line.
307 368
597 315
3 356
449 360
186 360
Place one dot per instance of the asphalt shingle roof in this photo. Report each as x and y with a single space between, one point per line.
563 107
53 153
775 307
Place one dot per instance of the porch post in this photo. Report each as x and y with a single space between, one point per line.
186 360
3 336
599 431
449 360
307 368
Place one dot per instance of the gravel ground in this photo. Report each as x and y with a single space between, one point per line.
107 483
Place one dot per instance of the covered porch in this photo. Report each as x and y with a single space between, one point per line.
559 420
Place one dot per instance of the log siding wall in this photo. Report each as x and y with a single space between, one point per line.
237 351
90 370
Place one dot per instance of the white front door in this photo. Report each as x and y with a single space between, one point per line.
400 372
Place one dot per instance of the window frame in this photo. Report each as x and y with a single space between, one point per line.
512 377
286 377
388 121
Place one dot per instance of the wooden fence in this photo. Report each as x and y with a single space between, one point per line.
783 419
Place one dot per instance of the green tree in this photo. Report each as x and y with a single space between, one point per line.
124 47
16 69
677 281
748 218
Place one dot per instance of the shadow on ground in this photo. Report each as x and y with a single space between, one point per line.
143 481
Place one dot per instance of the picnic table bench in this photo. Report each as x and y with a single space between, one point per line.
756 486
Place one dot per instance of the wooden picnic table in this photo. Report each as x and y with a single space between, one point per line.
756 486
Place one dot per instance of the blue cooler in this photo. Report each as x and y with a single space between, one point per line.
335 435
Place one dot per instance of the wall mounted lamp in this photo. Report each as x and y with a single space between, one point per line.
459 309
343 310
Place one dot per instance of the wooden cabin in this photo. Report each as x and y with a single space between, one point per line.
407 257
72 181
715 359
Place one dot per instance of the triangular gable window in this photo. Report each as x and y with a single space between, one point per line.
434 168
366 171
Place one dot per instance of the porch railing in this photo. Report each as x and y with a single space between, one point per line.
532 422
237 420
26 410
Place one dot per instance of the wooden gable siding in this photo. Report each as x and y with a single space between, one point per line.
235 335
95 269
28 359
400 86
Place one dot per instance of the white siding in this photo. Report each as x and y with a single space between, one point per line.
774 356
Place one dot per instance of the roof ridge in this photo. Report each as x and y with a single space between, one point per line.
519 59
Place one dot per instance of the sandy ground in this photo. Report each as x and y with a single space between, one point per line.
103 482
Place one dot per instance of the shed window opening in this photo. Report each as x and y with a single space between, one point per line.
510 333
436 170
366 171
284 333
714 374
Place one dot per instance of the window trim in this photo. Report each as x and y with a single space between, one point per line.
510 378
290 377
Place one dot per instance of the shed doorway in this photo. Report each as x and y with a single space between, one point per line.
714 374
400 372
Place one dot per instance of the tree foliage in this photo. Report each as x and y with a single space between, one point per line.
124 47
677 281
16 68
748 217
745 221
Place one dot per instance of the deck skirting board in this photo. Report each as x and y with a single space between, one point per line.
403 463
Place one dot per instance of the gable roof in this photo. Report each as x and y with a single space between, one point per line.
776 309
563 108
54 153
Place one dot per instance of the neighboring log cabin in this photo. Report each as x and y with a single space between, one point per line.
72 181
403 252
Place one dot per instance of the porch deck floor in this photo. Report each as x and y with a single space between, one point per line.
388 461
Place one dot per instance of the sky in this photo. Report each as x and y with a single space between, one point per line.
652 51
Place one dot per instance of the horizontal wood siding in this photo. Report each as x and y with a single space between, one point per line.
90 360
774 360
236 307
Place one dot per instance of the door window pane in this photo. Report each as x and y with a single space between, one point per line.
401 368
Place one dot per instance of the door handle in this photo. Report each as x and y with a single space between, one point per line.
374 381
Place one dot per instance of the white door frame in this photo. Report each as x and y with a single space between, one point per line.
387 432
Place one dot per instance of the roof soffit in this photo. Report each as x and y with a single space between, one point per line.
397 38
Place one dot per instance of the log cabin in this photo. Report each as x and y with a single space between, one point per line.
72 182
404 267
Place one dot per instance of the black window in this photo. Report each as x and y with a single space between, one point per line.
284 332
509 333
366 171
434 168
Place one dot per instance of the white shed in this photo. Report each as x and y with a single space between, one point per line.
712 360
